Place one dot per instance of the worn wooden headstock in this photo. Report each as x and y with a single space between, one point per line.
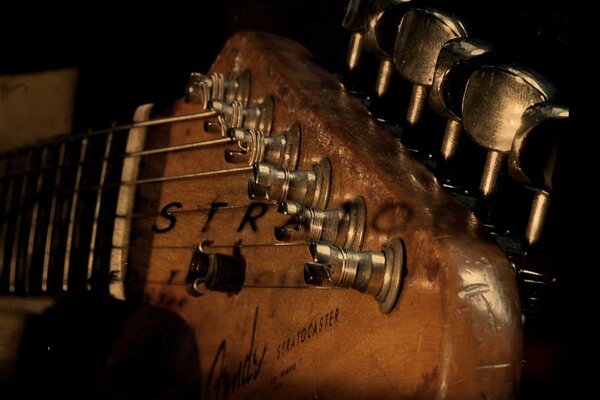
454 329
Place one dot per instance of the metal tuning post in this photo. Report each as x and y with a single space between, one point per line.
214 272
494 101
379 274
380 19
355 21
421 35
532 157
457 60
344 227
282 151
310 188
201 89
234 115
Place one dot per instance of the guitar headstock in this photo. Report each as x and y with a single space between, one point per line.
452 326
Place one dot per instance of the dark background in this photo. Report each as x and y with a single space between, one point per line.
129 55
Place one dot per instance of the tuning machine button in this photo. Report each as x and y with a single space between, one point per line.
457 60
421 35
282 150
310 188
532 158
344 227
201 89
214 272
234 115
377 36
494 101
379 274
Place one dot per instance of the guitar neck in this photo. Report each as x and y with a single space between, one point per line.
58 203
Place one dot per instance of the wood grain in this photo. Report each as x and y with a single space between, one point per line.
456 329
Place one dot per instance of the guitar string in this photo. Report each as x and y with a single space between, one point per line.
143 153
204 114
169 149
252 286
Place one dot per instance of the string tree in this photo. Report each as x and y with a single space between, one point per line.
235 115
214 272
201 88
254 146
377 273
344 226
274 184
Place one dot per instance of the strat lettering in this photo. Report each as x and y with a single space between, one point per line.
214 206
168 215
309 331
251 218
226 378
253 213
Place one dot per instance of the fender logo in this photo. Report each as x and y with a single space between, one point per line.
225 381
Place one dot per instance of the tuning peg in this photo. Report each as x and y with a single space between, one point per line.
457 60
234 115
310 188
494 101
421 35
342 226
377 36
282 151
201 89
378 273
532 157
355 20
215 272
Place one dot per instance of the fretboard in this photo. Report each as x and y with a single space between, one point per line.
59 204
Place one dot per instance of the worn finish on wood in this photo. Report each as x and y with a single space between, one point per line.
455 331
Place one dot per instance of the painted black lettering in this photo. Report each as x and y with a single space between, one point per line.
250 217
164 212
214 207
227 380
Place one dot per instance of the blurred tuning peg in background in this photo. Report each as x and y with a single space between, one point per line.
421 35
532 158
494 101
355 21
380 20
457 60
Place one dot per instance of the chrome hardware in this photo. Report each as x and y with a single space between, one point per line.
234 115
201 89
457 60
378 273
310 188
495 98
344 227
421 35
374 24
214 272
282 150
532 157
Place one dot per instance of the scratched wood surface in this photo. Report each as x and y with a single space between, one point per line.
455 331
